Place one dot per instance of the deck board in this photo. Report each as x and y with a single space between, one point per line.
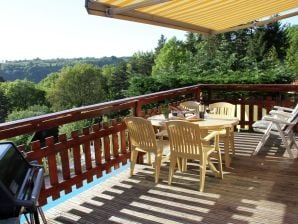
261 189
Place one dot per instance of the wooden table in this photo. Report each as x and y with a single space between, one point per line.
209 123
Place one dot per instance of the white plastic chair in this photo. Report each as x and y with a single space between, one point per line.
280 122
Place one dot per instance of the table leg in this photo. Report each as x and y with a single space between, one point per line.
232 140
227 148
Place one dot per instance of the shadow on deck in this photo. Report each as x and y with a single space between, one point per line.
260 189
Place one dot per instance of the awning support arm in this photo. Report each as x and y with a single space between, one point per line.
258 23
113 11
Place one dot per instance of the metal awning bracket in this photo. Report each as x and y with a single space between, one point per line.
113 10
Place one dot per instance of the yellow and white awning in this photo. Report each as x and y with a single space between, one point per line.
202 16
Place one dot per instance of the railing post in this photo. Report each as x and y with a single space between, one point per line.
138 109
198 94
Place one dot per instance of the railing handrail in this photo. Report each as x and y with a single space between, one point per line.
252 87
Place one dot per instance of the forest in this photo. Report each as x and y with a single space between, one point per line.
37 69
267 54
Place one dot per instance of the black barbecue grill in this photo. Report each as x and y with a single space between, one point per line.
20 184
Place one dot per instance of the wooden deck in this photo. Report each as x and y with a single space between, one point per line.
261 189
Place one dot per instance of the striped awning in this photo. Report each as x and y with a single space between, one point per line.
202 16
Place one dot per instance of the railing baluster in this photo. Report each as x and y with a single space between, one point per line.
123 141
87 152
107 148
76 150
52 161
115 142
242 113
35 147
250 113
97 150
65 161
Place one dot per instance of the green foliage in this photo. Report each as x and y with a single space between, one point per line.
4 106
75 126
77 86
21 94
48 83
141 63
140 85
160 44
31 111
37 69
254 55
118 81
292 53
170 59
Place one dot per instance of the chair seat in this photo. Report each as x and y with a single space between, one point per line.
262 125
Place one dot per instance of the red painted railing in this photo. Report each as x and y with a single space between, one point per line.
88 152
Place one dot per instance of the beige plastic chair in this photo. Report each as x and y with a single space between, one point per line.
186 143
143 139
224 110
192 106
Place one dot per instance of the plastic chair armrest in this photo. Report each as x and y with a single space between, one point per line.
283 108
275 120
210 136
280 113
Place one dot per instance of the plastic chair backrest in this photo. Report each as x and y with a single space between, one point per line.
185 138
223 109
141 133
191 105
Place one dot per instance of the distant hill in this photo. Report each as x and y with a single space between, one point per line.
37 69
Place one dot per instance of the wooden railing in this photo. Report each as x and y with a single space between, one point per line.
252 101
91 151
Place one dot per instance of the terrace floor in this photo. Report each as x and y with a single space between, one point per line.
260 189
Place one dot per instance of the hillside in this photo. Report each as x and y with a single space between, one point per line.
37 69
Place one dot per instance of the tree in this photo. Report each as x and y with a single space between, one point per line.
77 86
192 39
48 82
264 38
31 111
118 81
140 85
161 42
22 93
141 63
4 106
292 53
170 59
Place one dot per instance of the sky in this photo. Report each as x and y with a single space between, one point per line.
63 29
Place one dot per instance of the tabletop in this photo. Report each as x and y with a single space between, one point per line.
210 121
